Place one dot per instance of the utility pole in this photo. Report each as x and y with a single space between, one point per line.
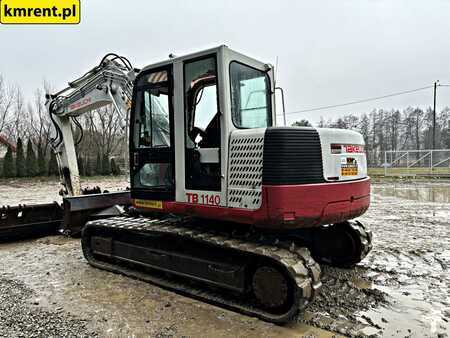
434 115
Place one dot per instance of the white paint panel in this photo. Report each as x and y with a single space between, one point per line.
332 162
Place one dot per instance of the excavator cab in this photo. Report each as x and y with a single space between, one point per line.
183 112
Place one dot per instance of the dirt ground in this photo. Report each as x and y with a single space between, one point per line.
400 290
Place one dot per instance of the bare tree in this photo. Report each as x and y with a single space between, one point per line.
38 120
7 98
18 126
104 129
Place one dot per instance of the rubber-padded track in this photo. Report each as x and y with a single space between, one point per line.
365 236
297 261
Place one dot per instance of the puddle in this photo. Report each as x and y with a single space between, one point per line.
408 316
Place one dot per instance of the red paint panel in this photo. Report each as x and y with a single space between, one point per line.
317 204
290 206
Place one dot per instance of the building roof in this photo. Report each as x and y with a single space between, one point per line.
4 141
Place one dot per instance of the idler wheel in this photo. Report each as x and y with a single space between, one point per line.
270 287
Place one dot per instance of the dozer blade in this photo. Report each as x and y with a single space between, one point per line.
27 221
80 209
38 220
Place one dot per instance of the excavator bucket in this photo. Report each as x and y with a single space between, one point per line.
25 221
30 221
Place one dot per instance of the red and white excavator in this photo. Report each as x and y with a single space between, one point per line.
226 206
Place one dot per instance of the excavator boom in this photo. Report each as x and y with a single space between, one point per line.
108 83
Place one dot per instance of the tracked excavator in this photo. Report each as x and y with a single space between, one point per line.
226 206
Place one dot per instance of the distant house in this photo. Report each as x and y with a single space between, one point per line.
4 144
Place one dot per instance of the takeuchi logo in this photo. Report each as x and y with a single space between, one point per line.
80 103
349 148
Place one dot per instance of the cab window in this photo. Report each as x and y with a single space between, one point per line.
152 111
202 113
250 97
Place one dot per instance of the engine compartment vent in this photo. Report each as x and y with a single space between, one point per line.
292 156
245 170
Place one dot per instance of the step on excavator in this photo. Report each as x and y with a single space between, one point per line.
225 206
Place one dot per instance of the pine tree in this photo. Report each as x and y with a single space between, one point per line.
31 162
20 159
106 169
52 165
115 169
8 164
42 165
98 165
112 165
88 168
81 169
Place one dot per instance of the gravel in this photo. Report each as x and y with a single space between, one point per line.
22 316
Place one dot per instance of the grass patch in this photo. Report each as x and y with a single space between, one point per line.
403 171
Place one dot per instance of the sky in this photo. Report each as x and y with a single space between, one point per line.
328 52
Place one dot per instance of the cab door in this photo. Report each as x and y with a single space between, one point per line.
202 128
152 155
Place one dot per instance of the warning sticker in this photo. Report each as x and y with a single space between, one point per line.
148 204
349 170
349 166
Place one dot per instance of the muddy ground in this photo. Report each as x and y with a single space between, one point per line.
400 290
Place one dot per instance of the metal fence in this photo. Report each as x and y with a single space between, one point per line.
417 162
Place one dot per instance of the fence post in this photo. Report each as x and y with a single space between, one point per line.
431 161
407 162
